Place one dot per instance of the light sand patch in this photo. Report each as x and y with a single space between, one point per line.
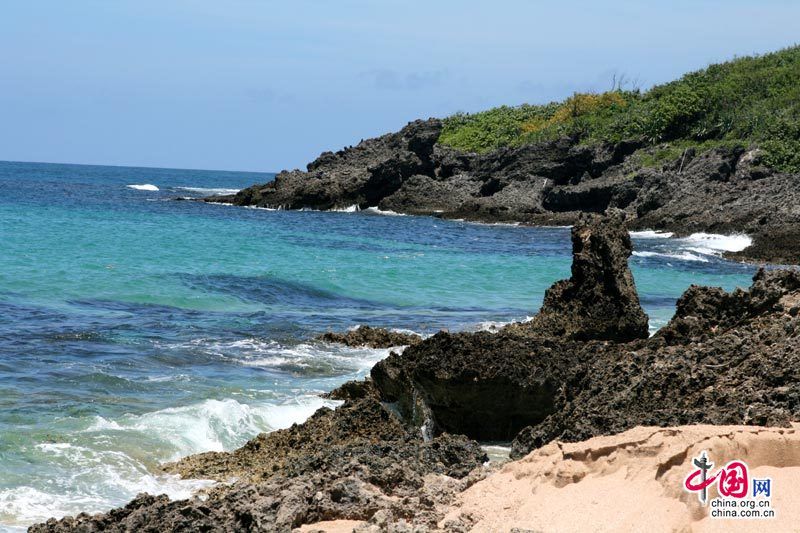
633 482
331 526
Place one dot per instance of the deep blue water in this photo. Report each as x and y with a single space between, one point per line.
135 329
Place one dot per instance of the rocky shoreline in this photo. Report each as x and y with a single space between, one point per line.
403 448
721 190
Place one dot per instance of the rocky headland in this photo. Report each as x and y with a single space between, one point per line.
721 190
715 151
402 452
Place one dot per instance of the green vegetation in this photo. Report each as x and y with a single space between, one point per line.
750 100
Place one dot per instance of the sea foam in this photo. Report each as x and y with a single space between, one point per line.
650 234
698 247
84 478
385 212
681 256
210 425
714 244
208 191
110 461
143 187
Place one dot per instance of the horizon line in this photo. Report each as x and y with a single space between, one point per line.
138 166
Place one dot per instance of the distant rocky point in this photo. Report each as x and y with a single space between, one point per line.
715 151
722 190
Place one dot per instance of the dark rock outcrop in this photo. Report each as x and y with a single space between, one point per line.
353 390
359 420
599 301
490 386
484 385
362 175
775 242
725 358
372 337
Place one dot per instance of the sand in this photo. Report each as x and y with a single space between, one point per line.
634 482
330 526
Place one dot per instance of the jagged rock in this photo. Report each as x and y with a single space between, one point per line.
426 195
353 390
599 301
358 420
372 337
488 386
592 196
725 358
776 243
484 385
347 463
717 164
701 311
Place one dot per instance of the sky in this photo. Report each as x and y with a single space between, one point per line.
262 86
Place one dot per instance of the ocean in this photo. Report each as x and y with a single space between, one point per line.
138 326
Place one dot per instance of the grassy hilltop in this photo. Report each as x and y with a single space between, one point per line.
746 101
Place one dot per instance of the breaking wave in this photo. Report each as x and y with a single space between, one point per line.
698 247
710 243
211 425
143 187
682 256
110 461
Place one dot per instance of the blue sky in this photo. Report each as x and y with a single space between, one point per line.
259 85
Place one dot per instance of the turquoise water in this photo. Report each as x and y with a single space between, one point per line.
135 329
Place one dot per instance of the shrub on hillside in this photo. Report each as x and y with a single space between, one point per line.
750 100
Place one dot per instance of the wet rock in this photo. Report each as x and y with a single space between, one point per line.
773 242
340 482
372 337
